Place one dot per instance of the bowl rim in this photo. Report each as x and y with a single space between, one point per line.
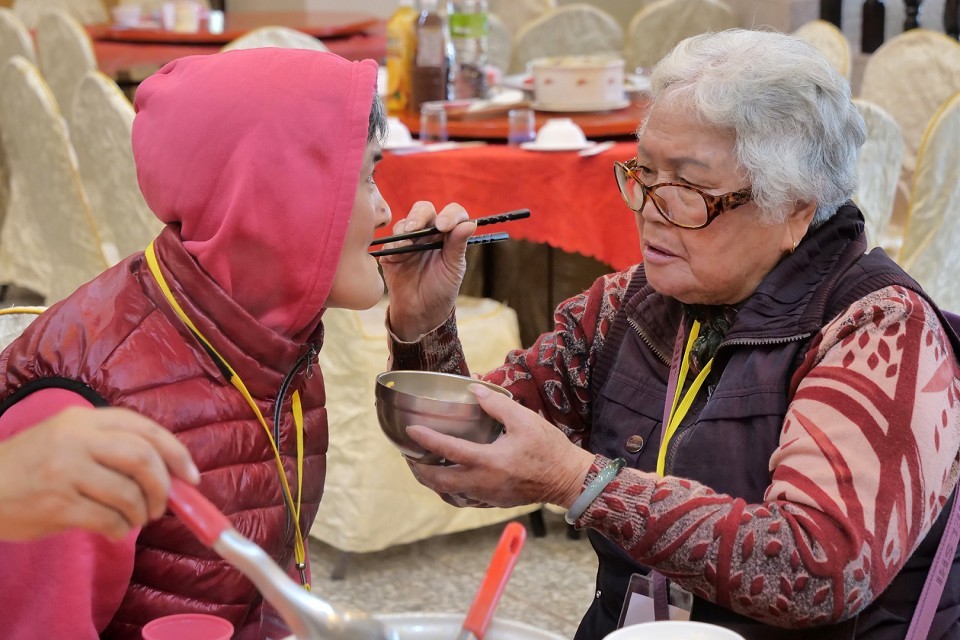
493 387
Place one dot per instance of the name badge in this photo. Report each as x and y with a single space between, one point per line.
652 597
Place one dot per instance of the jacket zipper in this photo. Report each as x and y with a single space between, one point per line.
681 434
636 327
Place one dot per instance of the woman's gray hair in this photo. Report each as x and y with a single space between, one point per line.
378 127
798 135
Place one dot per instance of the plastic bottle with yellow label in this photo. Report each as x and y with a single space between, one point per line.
401 47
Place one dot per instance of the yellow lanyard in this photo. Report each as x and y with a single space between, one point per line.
677 412
299 550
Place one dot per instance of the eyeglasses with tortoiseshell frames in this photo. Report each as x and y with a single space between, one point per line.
680 204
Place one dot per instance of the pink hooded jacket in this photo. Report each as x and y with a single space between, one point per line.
252 158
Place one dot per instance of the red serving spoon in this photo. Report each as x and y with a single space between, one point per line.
494 580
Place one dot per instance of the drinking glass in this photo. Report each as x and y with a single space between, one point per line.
433 123
521 126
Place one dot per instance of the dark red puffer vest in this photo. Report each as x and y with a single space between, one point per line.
118 342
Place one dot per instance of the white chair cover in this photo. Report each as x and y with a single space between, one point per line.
620 10
103 118
49 241
371 501
13 320
575 29
878 170
830 41
658 27
275 36
500 43
85 11
910 76
66 55
15 40
517 13
931 245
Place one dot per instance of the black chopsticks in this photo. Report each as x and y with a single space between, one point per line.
422 233
486 238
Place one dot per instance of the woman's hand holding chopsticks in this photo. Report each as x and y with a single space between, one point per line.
423 286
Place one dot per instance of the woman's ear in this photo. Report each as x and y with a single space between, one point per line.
799 220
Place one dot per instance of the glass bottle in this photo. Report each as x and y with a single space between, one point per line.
401 47
469 35
432 60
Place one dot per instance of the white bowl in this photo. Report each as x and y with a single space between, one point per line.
126 15
673 630
560 133
444 626
576 83
398 135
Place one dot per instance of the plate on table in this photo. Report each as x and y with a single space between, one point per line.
535 146
566 108
632 83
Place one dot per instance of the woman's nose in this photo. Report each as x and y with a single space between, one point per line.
383 213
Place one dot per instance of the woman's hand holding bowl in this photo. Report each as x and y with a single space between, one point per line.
423 286
531 462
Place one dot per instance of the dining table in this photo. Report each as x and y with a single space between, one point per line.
130 54
578 230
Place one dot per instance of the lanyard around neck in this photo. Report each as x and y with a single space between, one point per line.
680 407
299 550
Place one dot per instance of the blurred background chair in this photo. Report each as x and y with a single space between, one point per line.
878 171
84 11
516 13
15 40
101 137
576 29
659 26
275 36
910 76
931 244
621 10
371 501
65 55
13 320
49 242
501 43
831 42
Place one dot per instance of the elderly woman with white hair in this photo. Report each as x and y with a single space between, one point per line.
762 413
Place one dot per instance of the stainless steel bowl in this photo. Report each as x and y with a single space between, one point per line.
440 401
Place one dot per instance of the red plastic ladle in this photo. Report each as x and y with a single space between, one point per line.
494 580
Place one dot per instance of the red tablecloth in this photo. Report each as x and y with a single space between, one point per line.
574 202
132 61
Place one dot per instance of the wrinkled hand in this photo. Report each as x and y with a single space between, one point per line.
423 286
532 462
104 470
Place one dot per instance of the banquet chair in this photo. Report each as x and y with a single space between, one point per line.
659 26
13 321
500 43
275 36
49 242
620 10
831 42
576 29
516 13
30 12
931 251
15 39
371 501
910 76
65 55
103 120
878 170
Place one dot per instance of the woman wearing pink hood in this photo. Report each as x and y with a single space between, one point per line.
260 162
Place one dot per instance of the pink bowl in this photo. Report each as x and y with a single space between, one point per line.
188 626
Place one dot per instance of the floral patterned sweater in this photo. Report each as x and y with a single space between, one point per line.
879 389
